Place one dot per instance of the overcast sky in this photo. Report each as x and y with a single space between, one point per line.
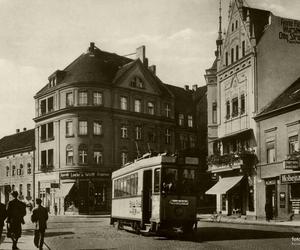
38 37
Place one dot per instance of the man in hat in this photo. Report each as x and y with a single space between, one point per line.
39 217
3 216
16 210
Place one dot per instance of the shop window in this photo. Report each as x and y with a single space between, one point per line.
223 202
271 152
69 99
214 112
123 103
97 98
243 104
97 128
295 191
156 180
124 132
83 98
151 108
82 152
137 106
69 129
180 119
69 155
83 128
190 121
227 109
293 144
235 107
251 194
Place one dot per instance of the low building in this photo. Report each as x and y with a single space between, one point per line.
278 171
17 165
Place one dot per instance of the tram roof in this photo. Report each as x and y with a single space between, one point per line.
150 162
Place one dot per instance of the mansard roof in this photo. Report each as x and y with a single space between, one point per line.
18 142
290 98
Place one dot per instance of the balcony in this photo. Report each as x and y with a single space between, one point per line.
46 168
227 162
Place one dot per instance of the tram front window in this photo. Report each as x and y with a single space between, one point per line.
179 181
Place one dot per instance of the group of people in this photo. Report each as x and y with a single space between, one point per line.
14 214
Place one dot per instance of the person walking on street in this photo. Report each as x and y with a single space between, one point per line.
16 210
3 215
39 217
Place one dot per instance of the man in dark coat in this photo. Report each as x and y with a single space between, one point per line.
3 216
16 210
39 217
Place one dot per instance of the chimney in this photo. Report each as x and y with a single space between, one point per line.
24 129
152 68
92 47
186 87
195 87
141 53
17 130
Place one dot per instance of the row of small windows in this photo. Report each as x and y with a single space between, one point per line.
21 193
234 54
234 107
126 186
13 171
181 121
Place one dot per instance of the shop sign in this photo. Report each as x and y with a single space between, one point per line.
290 178
290 31
83 175
291 163
54 185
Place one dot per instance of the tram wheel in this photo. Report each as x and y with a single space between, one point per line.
118 225
137 227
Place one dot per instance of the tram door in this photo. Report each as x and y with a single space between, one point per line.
147 195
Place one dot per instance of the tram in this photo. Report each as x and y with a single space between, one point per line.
156 193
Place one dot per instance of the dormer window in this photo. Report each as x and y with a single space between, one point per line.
137 82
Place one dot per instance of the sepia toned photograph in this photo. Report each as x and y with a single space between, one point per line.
162 124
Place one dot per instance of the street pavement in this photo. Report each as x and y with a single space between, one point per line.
95 232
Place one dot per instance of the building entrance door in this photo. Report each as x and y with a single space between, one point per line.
271 198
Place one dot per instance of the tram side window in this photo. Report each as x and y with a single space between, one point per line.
156 180
126 186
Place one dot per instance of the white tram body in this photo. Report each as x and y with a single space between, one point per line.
143 193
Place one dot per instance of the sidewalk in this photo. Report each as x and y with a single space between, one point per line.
25 243
241 220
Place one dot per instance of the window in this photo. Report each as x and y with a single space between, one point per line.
232 26
167 110
21 189
50 131
98 157
43 132
28 191
183 141
7 171
293 144
47 132
123 103
167 136
151 108
151 135
124 158
271 152
44 158
69 155
190 121
21 169
192 141
97 128
235 107
83 98
137 105
43 107
232 55
227 109
156 180
243 104
28 168
237 53
50 157
83 128
69 99
124 132
181 119
137 82
236 24
243 48
226 58
69 128
97 98
214 112
82 152
223 201
138 133
50 104
126 186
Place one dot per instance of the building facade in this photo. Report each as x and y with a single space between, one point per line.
249 75
17 166
99 113
278 171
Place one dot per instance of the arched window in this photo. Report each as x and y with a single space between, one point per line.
28 168
13 171
98 154
7 171
69 155
82 152
21 170
151 108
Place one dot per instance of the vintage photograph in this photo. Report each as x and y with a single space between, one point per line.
137 124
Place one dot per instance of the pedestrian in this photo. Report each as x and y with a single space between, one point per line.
39 217
269 211
3 215
16 210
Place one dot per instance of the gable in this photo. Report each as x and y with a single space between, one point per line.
138 78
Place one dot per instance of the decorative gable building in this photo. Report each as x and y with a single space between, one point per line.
99 113
256 60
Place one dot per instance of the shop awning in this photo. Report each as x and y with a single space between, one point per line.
224 184
245 133
64 190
